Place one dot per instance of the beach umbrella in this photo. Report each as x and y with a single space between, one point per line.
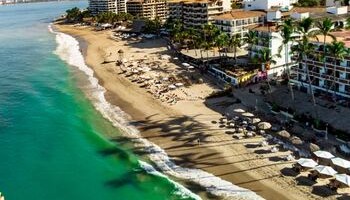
256 120
314 147
186 64
307 162
172 86
325 170
264 125
323 154
248 114
179 84
296 140
341 163
343 178
190 67
283 134
239 110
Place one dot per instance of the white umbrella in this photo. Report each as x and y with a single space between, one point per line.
172 86
186 64
343 178
264 125
323 154
179 84
190 67
256 120
341 163
306 162
248 114
238 110
325 170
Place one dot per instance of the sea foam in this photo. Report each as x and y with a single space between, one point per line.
69 51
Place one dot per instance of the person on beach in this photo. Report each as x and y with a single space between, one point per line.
199 141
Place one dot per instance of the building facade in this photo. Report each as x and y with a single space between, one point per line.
195 13
115 6
148 9
270 38
334 78
239 22
268 4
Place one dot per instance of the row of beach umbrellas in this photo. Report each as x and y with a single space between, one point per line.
324 170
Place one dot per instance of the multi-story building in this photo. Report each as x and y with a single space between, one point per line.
115 6
268 4
239 21
195 13
270 38
149 9
334 77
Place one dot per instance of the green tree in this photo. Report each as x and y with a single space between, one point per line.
266 59
287 31
221 41
304 48
338 51
73 15
235 42
251 38
324 29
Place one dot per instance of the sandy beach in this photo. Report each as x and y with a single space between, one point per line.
177 125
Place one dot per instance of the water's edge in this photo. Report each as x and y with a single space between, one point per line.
69 51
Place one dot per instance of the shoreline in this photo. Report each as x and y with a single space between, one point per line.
156 121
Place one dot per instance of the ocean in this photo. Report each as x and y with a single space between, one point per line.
52 139
60 138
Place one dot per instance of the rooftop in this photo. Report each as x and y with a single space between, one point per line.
342 36
263 28
240 14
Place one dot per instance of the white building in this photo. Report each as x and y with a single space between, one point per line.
271 39
115 6
239 22
268 4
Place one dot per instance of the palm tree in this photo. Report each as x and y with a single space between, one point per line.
265 58
304 29
251 38
287 31
210 32
235 42
221 41
324 29
192 36
338 51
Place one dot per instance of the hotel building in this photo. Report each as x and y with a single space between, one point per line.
239 21
148 9
195 13
115 6
332 78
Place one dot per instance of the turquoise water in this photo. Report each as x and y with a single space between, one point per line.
51 138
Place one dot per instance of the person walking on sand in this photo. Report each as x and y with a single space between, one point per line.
199 140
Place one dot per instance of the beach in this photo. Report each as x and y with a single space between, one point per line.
184 129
